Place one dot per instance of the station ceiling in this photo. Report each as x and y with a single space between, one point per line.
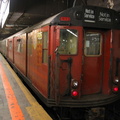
24 13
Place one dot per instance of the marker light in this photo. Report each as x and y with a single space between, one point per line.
64 18
116 80
74 83
74 93
115 89
78 15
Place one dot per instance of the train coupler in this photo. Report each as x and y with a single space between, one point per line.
97 113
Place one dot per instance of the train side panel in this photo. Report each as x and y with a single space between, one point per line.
115 59
20 53
3 47
37 59
106 85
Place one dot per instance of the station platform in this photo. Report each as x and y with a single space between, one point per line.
16 102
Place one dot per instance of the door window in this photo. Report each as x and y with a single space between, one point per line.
93 43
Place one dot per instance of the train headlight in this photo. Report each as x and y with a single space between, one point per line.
74 83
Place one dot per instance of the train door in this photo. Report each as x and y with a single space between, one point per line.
68 59
92 62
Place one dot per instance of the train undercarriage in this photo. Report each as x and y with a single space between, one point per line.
108 112
97 113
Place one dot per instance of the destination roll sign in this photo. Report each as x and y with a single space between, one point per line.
96 16
104 17
89 15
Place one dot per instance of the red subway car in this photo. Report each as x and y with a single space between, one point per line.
70 60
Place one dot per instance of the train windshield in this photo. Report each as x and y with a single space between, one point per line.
68 41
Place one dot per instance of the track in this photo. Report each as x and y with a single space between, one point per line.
113 111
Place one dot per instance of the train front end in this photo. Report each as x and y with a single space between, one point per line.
84 57
84 50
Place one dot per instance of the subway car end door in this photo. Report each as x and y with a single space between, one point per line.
92 62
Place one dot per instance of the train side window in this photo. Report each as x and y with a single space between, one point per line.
93 43
30 39
19 45
45 47
68 41
10 45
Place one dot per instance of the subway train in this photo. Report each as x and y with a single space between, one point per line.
70 60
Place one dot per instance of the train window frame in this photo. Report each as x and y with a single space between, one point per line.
42 45
10 45
30 45
45 47
19 45
76 43
100 44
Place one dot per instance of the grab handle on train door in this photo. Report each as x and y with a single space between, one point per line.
56 50
117 66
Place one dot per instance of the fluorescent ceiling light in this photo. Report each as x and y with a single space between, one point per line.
4 11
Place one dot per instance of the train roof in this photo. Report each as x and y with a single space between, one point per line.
86 16
89 16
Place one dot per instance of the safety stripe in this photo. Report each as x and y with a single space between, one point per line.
13 105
